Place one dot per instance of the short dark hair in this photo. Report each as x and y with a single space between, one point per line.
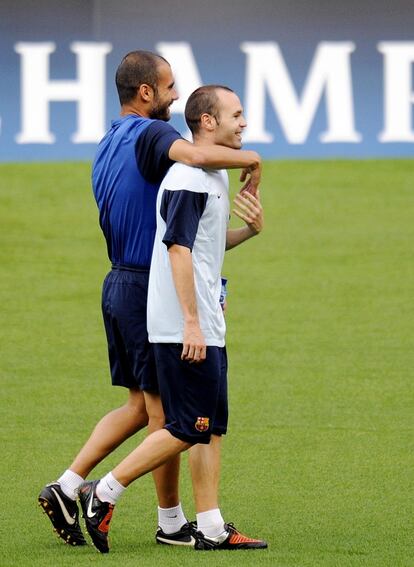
137 68
203 100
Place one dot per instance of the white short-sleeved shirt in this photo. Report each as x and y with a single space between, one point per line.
192 210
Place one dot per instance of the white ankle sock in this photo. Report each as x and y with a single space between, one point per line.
210 523
69 483
170 520
109 489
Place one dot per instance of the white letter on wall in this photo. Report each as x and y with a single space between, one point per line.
187 78
398 96
38 91
330 71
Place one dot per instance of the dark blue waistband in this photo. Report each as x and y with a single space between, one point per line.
128 268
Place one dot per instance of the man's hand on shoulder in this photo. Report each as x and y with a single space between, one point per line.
251 177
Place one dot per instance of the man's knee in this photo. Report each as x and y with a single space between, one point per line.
136 406
156 421
156 418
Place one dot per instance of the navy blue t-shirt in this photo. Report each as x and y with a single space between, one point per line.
131 161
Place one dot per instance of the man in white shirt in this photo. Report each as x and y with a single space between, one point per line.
186 323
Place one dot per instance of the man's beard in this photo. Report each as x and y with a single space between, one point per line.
161 112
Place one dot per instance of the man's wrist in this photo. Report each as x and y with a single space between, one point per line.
251 231
191 320
257 162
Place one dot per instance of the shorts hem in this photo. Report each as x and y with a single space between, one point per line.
143 388
219 431
129 386
149 389
192 439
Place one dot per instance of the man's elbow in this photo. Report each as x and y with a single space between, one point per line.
187 153
197 158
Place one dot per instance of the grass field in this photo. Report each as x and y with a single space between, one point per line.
319 456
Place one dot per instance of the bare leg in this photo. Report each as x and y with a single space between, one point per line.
154 451
165 477
204 463
112 430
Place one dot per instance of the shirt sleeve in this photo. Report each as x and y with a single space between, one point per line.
181 211
152 149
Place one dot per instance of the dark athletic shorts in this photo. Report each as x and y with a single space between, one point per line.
124 308
194 396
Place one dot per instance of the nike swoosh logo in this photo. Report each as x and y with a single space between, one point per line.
89 512
177 542
70 520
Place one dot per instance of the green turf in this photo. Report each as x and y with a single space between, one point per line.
319 456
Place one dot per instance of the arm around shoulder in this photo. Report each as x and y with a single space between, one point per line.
214 156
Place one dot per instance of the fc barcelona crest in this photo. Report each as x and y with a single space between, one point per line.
202 423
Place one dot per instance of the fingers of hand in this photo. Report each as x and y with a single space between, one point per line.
193 352
248 202
256 176
243 216
199 354
250 198
249 209
184 352
248 188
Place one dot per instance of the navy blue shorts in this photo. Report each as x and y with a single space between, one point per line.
124 308
194 396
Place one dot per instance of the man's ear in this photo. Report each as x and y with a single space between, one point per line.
208 122
145 92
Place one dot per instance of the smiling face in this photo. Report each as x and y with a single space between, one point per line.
164 95
230 121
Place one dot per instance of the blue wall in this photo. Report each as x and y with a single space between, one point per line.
214 31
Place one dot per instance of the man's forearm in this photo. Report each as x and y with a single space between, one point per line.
183 276
236 236
214 156
220 157
194 345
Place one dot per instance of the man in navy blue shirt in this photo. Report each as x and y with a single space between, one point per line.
130 163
